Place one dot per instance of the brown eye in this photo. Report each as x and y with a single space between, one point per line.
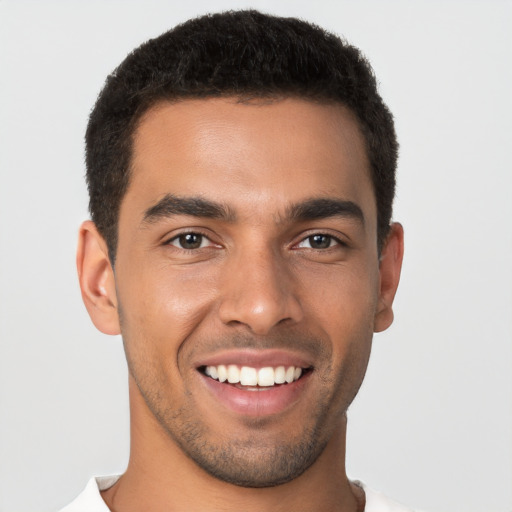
189 241
318 241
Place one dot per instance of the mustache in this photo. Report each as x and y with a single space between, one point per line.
291 340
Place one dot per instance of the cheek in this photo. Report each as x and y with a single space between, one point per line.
344 299
160 308
344 307
347 320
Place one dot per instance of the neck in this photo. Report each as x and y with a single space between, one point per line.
160 477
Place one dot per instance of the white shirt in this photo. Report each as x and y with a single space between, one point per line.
90 499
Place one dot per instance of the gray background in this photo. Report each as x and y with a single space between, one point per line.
432 426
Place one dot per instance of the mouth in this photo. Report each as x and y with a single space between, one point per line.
252 383
254 379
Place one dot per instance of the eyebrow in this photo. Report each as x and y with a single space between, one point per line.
322 208
171 205
310 209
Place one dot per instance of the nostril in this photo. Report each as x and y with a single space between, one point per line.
235 323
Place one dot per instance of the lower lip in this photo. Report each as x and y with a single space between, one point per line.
261 401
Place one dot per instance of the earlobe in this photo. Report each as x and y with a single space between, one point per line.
96 278
389 270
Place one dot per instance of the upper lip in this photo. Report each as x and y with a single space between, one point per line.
256 358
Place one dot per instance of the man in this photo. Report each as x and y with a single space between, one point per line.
241 172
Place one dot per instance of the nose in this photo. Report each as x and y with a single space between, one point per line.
259 292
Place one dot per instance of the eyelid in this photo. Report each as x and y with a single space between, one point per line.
332 242
339 238
186 231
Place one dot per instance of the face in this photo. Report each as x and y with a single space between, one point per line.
247 280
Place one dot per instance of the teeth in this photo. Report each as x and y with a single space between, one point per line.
233 374
248 376
222 373
266 376
290 373
280 375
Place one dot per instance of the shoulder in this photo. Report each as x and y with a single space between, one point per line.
90 500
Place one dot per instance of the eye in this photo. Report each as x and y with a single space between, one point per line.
190 241
319 241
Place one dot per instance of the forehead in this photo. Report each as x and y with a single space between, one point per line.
255 157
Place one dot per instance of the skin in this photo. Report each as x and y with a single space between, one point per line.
257 282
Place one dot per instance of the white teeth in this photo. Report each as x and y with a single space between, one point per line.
222 373
280 375
233 374
266 376
248 376
290 373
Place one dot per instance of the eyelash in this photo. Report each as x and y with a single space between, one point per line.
333 241
198 234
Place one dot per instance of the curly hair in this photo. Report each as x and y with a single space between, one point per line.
245 54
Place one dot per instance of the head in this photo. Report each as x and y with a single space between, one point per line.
241 173
246 55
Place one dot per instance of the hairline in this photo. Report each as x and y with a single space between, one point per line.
145 108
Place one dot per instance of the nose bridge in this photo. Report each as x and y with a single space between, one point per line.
259 290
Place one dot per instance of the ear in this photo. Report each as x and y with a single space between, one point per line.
389 270
96 278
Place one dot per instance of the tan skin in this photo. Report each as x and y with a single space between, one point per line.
259 276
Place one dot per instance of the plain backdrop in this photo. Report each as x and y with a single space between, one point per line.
432 425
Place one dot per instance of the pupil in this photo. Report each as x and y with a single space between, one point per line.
190 241
320 241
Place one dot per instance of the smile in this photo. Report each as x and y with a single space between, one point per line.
250 384
267 376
